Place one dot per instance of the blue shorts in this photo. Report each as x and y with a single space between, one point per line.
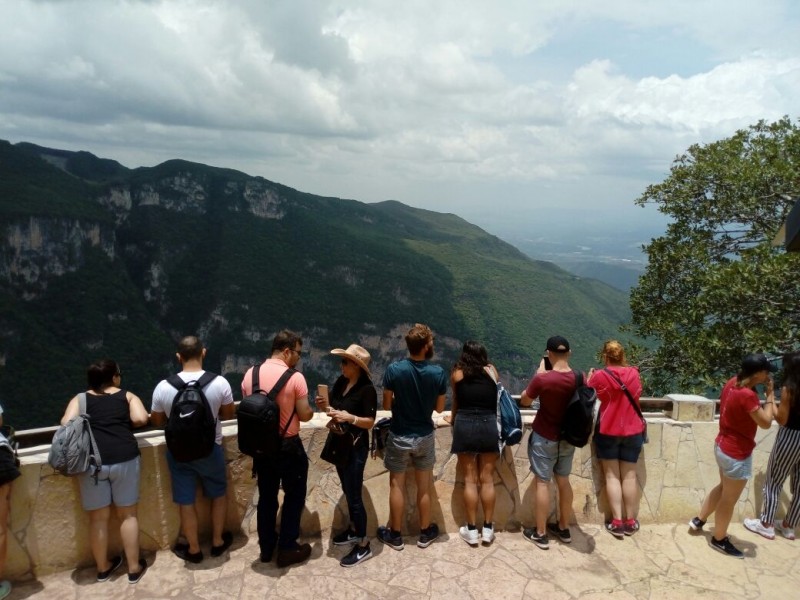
734 468
548 457
116 484
619 447
209 470
402 449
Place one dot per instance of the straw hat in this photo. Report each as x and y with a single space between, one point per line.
357 354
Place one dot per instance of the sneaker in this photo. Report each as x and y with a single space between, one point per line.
471 536
5 589
356 555
428 535
756 526
345 538
696 524
534 536
292 556
183 553
227 540
631 526
135 577
785 530
724 545
562 535
116 563
616 528
487 535
393 541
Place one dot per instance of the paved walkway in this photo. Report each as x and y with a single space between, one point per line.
661 561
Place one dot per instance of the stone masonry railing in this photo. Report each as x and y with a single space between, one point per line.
49 530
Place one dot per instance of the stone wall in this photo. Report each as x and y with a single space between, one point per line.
49 530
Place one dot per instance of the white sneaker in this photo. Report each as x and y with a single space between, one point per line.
487 535
470 536
756 526
787 532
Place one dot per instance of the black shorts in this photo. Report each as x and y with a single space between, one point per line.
8 467
475 431
618 447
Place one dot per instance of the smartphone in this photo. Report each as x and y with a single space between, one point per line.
548 366
322 392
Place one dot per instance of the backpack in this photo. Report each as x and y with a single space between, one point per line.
259 418
509 419
576 428
380 432
73 450
191 429
8 442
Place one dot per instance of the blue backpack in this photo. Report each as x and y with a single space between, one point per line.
509 419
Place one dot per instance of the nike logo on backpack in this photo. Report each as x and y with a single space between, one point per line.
184 415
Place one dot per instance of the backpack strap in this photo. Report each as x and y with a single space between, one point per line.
96 459
176 382
205 379
82 403
578 378
624 388
273 395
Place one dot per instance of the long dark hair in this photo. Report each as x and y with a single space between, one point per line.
791 380
472 360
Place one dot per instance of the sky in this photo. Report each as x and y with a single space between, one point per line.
525 117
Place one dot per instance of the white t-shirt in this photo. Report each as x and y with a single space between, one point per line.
218 393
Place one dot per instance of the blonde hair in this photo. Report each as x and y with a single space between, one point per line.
614 353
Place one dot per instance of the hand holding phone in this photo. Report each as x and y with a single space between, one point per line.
322 398
548 366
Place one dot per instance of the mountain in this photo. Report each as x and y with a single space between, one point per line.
101 260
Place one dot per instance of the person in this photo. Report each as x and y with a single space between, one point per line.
473 413
290 470
547 453
784 460
353 404
412 389
740 415
619 436
8 473
209 470
113 413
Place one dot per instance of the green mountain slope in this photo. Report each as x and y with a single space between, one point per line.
99 260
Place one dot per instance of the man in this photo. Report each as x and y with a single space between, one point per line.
210 470
290 469
554 384
412 389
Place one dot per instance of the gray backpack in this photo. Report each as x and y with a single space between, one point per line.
73 450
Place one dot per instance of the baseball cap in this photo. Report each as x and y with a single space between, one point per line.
557 344
753 363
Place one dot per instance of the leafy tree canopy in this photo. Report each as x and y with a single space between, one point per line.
716 287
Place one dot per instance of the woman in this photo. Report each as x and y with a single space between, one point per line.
352 406
8 473
114 412
784 460
475 437
740 415
619 435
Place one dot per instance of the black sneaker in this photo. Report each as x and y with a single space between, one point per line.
428 535
116 563
134 578
724 545
345 538
356 555
393 541
561 534
227 540
696 524
540 540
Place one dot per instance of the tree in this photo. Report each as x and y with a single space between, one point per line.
715 287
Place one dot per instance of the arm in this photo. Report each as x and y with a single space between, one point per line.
304 410
388 398
227 412
158 419
782 415
763 415
71 412
440 403
137 411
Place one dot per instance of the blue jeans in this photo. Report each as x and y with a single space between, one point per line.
289 471
352 478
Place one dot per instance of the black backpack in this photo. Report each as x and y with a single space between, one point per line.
576 428
259 418
191 430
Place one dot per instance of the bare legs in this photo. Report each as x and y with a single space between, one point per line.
5 508
397 500
721 501
98 537
478 470
621 488
128 531
543 503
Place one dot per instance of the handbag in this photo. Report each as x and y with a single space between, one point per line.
380 432
638 410
338 447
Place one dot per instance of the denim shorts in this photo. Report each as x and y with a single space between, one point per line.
734 468
619 447
209 470
116 484
548 457
402 449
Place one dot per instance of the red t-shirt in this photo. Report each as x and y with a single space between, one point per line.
554 389
617 416
737 429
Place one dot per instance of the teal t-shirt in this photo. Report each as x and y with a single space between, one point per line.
416 385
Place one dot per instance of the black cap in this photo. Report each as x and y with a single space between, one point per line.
558 344
753 363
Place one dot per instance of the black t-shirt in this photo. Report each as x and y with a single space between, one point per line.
361 400
111 426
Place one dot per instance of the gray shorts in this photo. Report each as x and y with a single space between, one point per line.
402 449
548 457
733 468
117 484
